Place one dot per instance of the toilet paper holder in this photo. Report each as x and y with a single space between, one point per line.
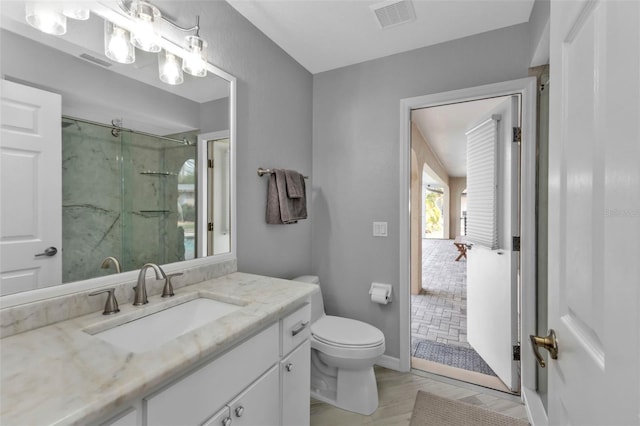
380 293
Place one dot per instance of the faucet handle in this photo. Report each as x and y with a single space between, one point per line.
111 305
167 291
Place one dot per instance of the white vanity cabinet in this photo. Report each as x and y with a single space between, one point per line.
264 381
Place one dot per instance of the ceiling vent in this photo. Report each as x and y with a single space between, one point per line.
393 12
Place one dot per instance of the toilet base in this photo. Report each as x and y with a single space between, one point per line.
357 391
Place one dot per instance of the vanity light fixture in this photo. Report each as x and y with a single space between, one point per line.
46 17
117 46
195 61
145 37
169 68
120 43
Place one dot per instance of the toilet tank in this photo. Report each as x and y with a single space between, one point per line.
317 304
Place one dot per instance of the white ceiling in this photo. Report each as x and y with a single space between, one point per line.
326 34
444 128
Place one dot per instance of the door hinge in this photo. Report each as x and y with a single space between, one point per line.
517 134
210 226
516 244
516 352
210 163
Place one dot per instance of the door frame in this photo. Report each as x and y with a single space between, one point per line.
203 186
526 87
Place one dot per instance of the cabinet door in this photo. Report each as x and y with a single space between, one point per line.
221 418
192 399
295 371
259 404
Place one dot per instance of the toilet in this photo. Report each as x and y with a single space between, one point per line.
343 352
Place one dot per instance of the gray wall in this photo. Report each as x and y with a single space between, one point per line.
356 160
274 130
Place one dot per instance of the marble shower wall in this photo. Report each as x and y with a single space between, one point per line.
119 199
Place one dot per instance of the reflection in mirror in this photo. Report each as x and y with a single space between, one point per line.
130 151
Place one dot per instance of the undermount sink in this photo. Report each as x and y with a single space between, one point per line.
153 330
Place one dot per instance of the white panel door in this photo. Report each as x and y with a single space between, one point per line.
594 212
492 280
30 189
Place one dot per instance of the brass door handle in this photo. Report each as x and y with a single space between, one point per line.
549 343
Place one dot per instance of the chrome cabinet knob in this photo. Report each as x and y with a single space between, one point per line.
226 421
239 411
289 367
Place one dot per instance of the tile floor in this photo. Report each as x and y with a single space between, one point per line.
397 393
439 313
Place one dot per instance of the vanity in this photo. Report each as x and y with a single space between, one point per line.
144 173
249 366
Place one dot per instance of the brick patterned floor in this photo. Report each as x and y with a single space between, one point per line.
439 313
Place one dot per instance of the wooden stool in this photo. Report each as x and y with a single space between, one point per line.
462 248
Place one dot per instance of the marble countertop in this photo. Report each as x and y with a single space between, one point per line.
60 374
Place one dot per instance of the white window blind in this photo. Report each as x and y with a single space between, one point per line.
482 176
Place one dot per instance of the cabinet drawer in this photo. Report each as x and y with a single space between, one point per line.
194 398
295 328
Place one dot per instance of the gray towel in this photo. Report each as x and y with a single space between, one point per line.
281 208
295 184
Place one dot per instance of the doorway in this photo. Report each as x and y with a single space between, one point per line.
445 139
411 273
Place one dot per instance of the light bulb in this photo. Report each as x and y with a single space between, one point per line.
116 44
76 10
195 61
144 36
169 68
46 18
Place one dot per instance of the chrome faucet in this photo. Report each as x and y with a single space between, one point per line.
141 288
111 260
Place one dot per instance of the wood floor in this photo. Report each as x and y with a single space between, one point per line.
397 394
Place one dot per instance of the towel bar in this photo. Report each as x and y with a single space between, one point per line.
262 172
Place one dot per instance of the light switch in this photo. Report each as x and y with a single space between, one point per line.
379 229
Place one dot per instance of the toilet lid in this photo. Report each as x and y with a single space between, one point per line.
346 332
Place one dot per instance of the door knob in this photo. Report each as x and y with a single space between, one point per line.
549 343
49 251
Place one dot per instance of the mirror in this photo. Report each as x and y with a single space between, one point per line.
135 150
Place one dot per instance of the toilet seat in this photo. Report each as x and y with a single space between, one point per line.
346 333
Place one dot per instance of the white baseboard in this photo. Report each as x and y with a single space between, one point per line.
389 362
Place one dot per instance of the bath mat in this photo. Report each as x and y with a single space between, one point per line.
454 356
434 410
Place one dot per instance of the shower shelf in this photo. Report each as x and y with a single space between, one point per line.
153 173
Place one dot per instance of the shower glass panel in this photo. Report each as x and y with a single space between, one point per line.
121 198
